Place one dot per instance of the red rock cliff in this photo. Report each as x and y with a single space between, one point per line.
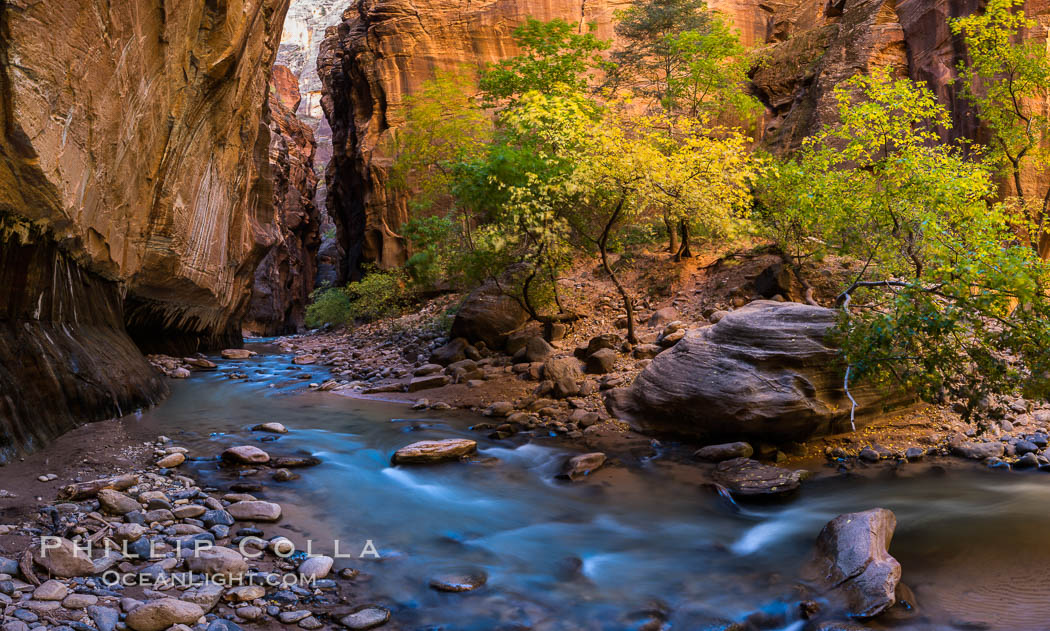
384 49
380 52
285 278
134 192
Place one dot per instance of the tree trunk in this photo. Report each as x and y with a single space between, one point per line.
672 235
603 242
684 251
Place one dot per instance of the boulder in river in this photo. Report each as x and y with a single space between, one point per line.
272 428
246 454
488 315
582 465
254 510
295 462
431 451
725 451
459 582
765 371
237 353
852 561
750 478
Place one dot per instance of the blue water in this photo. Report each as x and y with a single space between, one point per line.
612 552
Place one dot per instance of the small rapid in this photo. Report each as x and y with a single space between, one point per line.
625 547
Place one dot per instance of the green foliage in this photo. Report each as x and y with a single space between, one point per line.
379 294
649 56
713 67
555 58
443 126
684 57
328 306
1008 79
947 299
435 243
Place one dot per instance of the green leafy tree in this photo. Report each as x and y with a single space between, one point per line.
1008 80
443 126
555 57
947 301
627 165
518 194
714 70
650 55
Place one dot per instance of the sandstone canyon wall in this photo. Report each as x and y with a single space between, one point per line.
304 28
135 195
384 49
285 277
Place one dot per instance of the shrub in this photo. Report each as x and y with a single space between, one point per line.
329 305
379 294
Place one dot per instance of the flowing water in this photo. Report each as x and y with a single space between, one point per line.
610 552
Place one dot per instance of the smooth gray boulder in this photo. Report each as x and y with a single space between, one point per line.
852 561
764 372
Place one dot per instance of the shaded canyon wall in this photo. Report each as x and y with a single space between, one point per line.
135 193
285 277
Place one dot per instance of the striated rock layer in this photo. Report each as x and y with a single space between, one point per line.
382 51
764 372
64 355
133 156
285 278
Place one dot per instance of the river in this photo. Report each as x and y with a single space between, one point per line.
614 551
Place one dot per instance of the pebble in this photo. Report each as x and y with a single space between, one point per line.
316 567
50 590
171 461
79 601
367 618
292 617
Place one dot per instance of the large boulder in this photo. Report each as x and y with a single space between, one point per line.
765 371
488 315
564 373
852 561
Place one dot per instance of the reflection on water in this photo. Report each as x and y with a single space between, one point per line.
611 552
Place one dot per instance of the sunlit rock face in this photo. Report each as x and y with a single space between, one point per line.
383 50
285 278
134 155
